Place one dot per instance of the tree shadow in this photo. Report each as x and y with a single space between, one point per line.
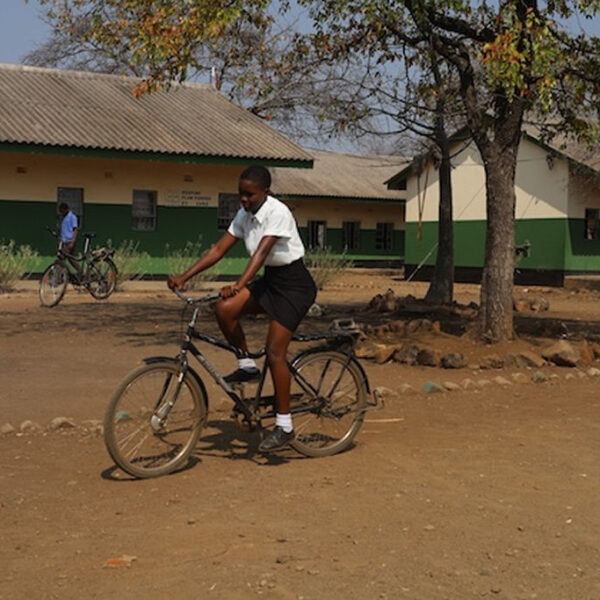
144 323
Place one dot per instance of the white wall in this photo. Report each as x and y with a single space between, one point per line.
584 192
541 191
110 181
335 212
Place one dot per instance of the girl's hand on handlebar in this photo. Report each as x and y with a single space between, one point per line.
176 281
228 291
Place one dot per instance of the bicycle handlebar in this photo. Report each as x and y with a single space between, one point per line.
189 300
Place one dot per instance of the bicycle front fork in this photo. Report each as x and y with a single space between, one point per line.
162 408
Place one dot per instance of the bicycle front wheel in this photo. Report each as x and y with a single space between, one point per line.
329 399
152 423
53 284
101 278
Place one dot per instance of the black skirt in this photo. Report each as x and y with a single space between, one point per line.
285 293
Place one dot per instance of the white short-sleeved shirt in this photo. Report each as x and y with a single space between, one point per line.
272 218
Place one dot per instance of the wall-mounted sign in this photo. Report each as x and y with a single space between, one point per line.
186 198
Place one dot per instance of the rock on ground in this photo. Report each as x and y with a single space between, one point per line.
451 386
61 423
539 377
407 354
529 359
382 393
469 384
30 427
562 354
432 388
454 360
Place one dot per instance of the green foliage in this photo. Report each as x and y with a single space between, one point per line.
15 263
180 260
524 56
131 262
159 39
324 266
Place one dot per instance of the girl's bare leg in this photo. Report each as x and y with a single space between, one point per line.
228 313
278 340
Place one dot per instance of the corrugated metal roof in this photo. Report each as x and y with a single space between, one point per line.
567 147
340 175
95 111
576 153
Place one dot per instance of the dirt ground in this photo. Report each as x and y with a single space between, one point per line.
455 495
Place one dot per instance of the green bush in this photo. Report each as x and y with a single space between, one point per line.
131 262
325 266
15 262
181 260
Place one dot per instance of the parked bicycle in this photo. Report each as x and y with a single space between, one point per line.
155 417
93 270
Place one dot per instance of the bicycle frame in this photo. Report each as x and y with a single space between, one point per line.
250 415
329 399
68 259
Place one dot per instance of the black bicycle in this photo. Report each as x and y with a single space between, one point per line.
93 270
155 417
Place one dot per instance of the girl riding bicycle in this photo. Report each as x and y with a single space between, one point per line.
285 292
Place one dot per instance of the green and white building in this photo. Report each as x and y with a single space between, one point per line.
557 213
156 170
163 169
343 204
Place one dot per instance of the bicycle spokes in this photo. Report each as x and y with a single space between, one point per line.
154 420
328 404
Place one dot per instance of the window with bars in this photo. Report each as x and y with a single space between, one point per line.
143 210
384 236
592 224
73 197
317 234
351 235
229 204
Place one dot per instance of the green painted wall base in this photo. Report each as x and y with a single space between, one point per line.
547 239
473 275
228 267
26 222
557 247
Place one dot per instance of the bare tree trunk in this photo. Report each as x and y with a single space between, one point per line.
500 162
496 311
441 288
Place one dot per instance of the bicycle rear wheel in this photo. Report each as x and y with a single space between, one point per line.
101 278
329 398
142 434
53 284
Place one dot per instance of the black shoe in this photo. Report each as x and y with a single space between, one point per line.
276 440
243 376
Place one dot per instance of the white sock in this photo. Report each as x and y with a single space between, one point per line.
247 364
285 422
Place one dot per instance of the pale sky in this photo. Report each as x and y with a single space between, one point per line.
21 28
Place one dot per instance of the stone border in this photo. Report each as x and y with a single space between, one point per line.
57 425
382 393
